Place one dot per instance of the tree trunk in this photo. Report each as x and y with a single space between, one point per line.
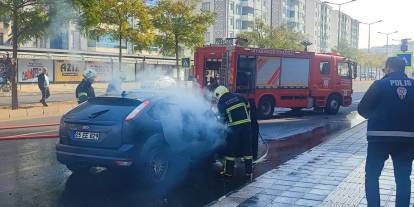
15 103
177 58
120 54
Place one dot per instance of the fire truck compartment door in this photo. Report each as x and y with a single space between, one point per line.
295 73
268 72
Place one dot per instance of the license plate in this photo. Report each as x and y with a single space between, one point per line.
93 136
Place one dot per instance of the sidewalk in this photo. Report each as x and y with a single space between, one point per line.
30 111
331 174
31 89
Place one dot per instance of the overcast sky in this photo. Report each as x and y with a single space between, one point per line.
396 15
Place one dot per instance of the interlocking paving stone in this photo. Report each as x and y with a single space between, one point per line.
331 174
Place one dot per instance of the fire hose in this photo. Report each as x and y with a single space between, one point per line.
262 158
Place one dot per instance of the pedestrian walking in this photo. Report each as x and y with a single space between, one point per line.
43 83
84 90
389 107
235 111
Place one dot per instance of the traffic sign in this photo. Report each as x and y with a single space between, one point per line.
185 62
408 58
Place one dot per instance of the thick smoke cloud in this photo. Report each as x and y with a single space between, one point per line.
190 128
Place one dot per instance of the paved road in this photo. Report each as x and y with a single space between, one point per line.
31 176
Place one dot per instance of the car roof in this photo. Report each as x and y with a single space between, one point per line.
141 94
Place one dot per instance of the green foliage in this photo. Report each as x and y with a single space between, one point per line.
264 36
178 23
122 20
30 18
360 56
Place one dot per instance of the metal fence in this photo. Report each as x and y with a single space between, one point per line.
369 73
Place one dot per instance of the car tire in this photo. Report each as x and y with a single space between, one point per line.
154 161
333 105
156 165
266 107
78 169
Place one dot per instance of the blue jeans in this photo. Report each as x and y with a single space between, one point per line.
402 157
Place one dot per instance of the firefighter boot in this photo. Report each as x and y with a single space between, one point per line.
248 163
228 167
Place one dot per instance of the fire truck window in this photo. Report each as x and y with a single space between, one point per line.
246 68
325 68
344 70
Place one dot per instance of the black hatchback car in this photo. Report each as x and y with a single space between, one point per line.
137 131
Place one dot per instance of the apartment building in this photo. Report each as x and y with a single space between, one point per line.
322 27
5 30
290 14
234 16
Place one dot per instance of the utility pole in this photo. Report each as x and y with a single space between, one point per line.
388 35
369 32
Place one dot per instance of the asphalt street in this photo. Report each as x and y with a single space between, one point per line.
31 176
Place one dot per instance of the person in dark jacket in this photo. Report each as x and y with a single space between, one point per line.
43 83
84 90
234 110
389 107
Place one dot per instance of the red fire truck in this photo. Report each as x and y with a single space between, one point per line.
277 78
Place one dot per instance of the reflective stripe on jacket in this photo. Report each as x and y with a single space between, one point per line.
84 91
234 109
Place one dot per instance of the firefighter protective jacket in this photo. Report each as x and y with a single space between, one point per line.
389 107
234 109
84 91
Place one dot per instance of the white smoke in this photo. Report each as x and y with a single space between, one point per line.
190 127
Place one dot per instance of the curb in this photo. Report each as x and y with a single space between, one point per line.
49 136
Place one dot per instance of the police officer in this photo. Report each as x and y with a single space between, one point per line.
84 90
234 110
388 106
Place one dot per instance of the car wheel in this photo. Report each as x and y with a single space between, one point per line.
78 169
333 105
157 165
266 107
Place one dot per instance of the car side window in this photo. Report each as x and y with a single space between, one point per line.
325 68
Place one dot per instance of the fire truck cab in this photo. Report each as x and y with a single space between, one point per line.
277 78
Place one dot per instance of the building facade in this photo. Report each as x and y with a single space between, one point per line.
290 14
234 17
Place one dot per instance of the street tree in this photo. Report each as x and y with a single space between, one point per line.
126 20
264 36
30 19
178 22
362 57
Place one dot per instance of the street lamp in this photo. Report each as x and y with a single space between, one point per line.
369 32
339 15
387 34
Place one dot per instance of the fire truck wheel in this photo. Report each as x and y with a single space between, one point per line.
333 104
266 107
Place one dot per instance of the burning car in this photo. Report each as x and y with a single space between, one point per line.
150 132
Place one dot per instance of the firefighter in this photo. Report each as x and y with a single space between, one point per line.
388 106
84 90
234 110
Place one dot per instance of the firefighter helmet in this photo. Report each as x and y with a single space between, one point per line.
220 91
89 74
